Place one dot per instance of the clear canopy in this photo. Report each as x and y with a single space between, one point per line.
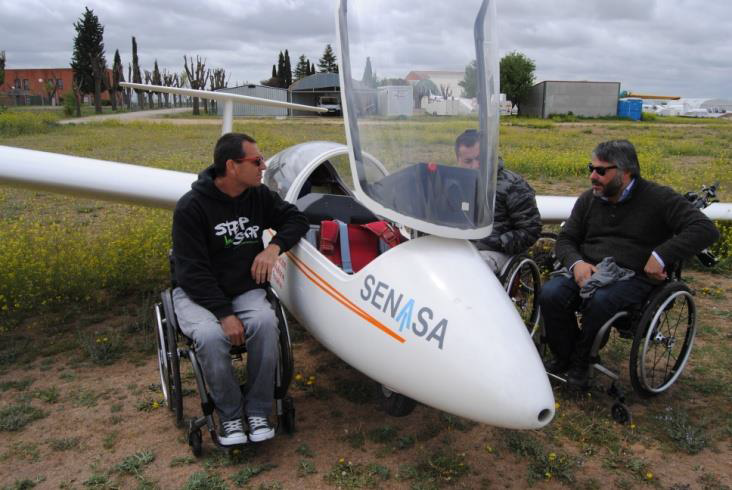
420 89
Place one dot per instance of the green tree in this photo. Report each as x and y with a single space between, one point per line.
88 60
281 70
328 63
157 79
470 81
312 68
303 68
423 88
136 74
2 67
287 74
517 77
118 76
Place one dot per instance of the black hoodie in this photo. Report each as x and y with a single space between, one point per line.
216 237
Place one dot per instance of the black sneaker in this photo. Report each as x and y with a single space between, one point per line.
558 367
232 433
579 376
259 429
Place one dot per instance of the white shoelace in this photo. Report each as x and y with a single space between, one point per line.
233 426
258 422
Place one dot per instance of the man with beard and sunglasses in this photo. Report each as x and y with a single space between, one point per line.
643 226
221 270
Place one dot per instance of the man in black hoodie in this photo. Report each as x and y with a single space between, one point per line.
221 268
644 226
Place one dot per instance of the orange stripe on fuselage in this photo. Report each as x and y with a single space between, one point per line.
332 292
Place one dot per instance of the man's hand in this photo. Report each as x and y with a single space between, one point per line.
233 328
263 263
654 269
582 272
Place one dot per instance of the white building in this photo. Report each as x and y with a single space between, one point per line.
447 79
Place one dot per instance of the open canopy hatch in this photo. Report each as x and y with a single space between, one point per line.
425 187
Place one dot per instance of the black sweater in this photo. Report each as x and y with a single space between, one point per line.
653 217
216 237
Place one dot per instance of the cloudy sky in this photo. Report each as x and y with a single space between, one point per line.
672 47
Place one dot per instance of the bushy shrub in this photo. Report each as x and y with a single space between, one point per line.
649 116
69 103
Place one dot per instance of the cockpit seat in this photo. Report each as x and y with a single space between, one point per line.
320 207
345 231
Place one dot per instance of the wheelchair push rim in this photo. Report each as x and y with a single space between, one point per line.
667 343
525 293
163 366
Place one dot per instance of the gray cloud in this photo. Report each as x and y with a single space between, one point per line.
677 47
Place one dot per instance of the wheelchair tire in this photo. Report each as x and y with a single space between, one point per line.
195 439
287 362
393 403
288 415
162 348
620 413
522 282
663 339
171 338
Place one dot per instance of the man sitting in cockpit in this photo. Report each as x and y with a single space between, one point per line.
516 222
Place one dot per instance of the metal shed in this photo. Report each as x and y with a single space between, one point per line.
589 99
310 89
395 100
271 93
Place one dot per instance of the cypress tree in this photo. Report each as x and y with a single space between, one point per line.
2 67
136 74
88 60
157 80
281 70
288 70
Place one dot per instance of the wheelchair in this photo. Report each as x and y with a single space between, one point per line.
662 331
521 278
168 337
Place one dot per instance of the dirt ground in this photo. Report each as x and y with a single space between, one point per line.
103 415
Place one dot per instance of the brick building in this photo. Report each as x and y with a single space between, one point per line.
35 86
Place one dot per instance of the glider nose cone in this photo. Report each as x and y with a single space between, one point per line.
473 353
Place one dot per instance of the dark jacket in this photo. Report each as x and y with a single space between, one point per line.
653 217
516 222
216 237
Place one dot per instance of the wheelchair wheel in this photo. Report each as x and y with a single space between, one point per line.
542 253
663 340
195 439
620 413
522 282
393 403
175 387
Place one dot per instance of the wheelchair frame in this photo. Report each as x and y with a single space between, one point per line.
169 355
656 360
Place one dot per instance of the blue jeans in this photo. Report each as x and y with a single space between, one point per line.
559 299
212 349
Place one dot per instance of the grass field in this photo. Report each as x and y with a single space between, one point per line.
77 278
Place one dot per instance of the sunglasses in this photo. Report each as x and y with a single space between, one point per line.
257 161
600 170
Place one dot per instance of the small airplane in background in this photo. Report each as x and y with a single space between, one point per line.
427 318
